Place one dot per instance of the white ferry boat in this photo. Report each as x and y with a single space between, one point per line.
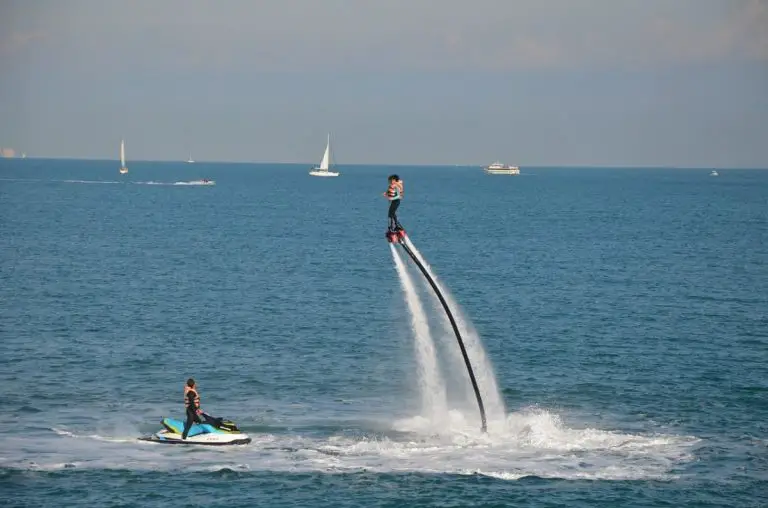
497 168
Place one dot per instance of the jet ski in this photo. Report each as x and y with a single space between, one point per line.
212 432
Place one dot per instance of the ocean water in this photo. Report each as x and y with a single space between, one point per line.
622 313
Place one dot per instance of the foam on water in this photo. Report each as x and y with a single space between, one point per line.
67 433
532 442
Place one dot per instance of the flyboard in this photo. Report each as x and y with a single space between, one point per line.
398 236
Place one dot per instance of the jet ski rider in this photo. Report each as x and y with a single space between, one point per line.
394 194
192 406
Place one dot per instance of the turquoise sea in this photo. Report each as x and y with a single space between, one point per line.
618 320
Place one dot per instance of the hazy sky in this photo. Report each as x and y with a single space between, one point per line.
531 82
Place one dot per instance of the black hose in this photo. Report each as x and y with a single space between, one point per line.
455 330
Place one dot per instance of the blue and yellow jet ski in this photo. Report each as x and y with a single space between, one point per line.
212 432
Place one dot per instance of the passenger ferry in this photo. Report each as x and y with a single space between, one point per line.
497 168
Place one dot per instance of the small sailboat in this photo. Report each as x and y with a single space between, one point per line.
123 167
190 160
323 169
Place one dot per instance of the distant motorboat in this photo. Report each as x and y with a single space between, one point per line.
497 168
323 169
713 173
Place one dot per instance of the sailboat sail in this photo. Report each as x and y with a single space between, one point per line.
325 163
123 169
326 155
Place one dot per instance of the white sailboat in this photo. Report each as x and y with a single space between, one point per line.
323 169
123 167
190 160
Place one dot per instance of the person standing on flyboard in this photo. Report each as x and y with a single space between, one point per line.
394 194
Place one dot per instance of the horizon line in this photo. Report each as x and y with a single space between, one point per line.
400 164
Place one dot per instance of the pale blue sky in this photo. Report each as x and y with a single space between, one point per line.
530 82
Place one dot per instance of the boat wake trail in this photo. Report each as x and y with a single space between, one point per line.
106 182
204 182
97 437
